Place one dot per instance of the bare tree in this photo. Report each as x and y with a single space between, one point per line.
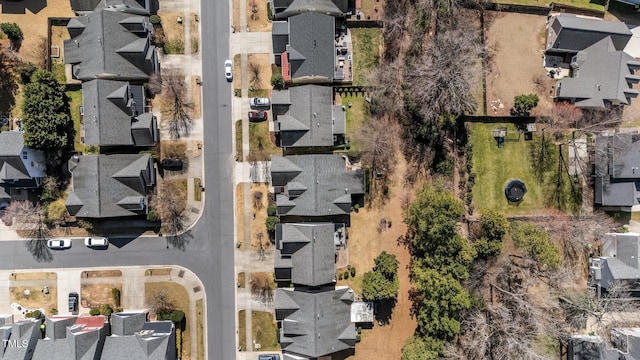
261 287
40 52
29 218
387 95
256 197
176 108
253 4
254 75
169 202
565 115
160 302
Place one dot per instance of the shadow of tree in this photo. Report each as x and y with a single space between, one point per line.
180 241
38 248
384 310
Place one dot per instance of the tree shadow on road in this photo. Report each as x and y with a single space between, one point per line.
38 248
180 241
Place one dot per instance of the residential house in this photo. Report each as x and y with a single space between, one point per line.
153 341
21 168
315 188
617 171
625 344
114 115
141 7
71 337
305 119
309 43
283 8
128 323
110 44
601 77
305 253
110 186
619 262
315 324
23 336
569 33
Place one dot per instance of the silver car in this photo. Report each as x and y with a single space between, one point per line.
59 244
259 103
96 242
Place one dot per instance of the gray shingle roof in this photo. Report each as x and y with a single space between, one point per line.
601 75
301 6
311 47
151 346
91 5
316 323
110 45
56 326
308 250
326 179
617 163
572 33
79 344
311 119
100 182
23 331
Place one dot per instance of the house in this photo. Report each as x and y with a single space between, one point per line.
617 176
619 262
83 339
110 44
19 339
315 188
305 253
141 7
314 324
110 186
153 341
625 344
128 323
305 119
283 8
114 116
310 43
601 77
569 33
21 168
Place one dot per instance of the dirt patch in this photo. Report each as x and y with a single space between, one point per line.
236 16
196 99
372 9
173 32
259 216
515 43
241 279
240 240
200 329
37 298
237 74
33 276
259 71
103 273
178 296
32 20
194 26
366 241
257 18
157 272
94 295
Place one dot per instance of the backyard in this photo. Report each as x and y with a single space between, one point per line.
357 110
75 102
366 52
264 330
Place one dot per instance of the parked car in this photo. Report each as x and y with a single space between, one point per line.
59 244
257 116
259 103
228 70
73 301
171 164
96 242
269 357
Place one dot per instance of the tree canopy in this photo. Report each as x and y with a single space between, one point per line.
523 104
535 242
381 284
47 120
493 228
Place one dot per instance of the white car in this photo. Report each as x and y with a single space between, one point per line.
96 241
259 102
59 244
228 70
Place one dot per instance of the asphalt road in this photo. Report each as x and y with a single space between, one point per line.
209 250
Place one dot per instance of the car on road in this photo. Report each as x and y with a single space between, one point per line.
257 116
228 70
259 103
59 244
171 164
73 301
93 242
269 357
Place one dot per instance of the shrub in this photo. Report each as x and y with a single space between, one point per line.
153 216
84 224
271 210
13 31
105 310
155 19
277 81
53 311
271 224
25 70
118 310
269 11
340 276
36 314
523 104
94 312
177 317
115 294
352 271
345 275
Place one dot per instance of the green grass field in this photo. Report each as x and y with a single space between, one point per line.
263 330
355 116
260 145
239 140
366 52
75 101
494 167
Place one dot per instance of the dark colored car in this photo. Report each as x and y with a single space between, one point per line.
171 164
257 116
73 301
269 357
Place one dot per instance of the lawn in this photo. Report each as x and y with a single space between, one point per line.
75 101
494 167
177 295
595 5
197 189
200 329
356 115
239 140
263 329
260 145
366 52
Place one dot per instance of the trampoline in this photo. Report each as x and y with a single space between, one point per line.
515 190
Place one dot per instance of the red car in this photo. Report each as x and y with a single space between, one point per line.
257 116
